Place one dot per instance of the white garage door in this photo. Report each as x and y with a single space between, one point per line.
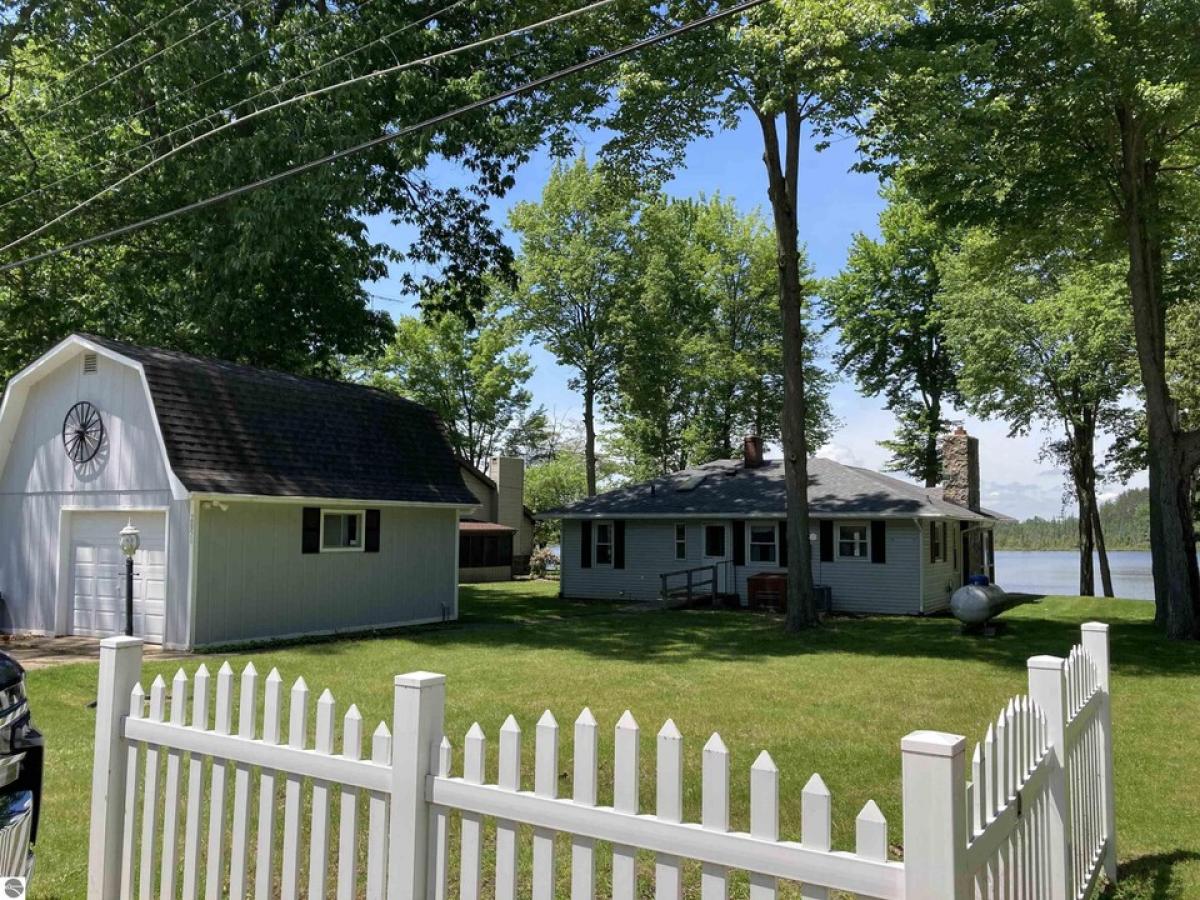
98 575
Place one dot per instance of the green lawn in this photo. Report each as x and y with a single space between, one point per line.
836 701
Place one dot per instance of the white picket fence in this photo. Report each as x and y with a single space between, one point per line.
175 793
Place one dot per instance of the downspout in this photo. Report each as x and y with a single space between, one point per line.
193 543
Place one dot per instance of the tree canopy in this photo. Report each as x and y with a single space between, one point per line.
885 306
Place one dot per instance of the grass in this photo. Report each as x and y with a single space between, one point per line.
835 701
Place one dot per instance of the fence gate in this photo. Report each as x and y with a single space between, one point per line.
187 802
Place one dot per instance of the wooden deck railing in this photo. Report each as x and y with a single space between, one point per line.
694 579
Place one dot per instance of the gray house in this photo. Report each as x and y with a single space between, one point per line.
268 505
879 544
495 537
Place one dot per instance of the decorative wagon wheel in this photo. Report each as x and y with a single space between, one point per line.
83 432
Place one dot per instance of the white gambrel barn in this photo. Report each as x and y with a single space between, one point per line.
269 505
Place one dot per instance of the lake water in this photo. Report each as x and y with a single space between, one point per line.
1057 572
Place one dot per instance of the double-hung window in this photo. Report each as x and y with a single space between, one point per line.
853 542
681 541
763 547
341 530
714 541
604 543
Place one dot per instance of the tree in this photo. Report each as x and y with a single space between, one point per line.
550 484
1043 339
274 278
472 376
700 361
885 306
1080 117
573 272
790 66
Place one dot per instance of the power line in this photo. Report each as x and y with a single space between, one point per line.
133 68
298 98
225 109
136 34
273 48
390 136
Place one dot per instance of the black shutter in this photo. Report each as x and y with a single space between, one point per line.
310 542
619 544
879 541
739 543
585 544
826 540
932 544
371 545
783 557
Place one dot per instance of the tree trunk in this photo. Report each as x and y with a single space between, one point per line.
1087 574
1101 549
589 433
1172 455
782 174
933 462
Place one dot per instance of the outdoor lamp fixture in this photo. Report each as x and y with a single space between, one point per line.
130 541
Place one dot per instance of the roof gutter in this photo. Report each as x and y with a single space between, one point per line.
318 501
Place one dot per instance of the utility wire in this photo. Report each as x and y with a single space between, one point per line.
271 89
133 68
390 136
191 89
298 98
136 34
231 108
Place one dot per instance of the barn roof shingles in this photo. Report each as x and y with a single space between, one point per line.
233 429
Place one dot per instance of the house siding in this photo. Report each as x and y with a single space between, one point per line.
942 577
858 585
254 583
39 481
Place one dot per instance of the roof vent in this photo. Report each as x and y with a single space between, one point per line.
89 364
691 483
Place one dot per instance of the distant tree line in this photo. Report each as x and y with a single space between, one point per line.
1126 520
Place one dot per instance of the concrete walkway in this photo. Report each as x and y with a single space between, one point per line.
39 652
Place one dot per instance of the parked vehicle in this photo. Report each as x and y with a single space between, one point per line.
21 746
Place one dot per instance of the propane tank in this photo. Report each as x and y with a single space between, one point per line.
976 603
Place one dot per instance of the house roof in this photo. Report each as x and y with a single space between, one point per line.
233 429
727 488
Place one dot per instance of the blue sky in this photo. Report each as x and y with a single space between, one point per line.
835 203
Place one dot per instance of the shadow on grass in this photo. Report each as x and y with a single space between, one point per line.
1151 877
523 618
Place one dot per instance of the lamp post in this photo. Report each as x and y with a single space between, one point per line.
130 541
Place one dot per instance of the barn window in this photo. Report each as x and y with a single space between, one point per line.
341 530
604 543
853 542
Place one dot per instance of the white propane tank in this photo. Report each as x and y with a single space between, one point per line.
974 604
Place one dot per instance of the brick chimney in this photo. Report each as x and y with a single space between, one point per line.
753 452
960 468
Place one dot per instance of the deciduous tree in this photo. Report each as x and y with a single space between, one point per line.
885 306
473 376
1078 117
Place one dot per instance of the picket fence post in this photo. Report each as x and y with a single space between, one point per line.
1048 689
418 723
1095 643
120 670
934 795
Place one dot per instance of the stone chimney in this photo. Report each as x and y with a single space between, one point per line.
753 451
509 474
960 469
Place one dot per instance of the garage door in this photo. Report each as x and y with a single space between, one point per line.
98 575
